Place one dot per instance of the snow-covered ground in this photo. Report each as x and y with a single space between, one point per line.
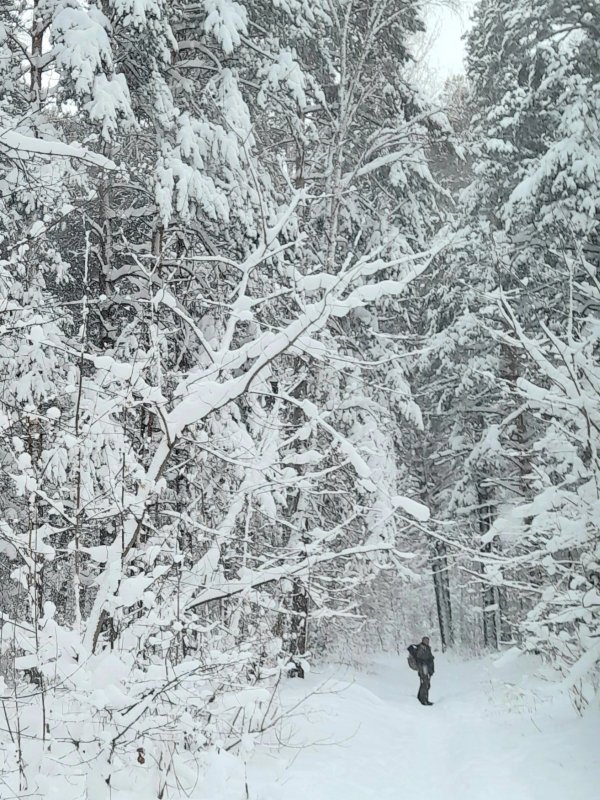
362 735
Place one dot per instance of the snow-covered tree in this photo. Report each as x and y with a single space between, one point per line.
211 211
521 305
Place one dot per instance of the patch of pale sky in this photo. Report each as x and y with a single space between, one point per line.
441 51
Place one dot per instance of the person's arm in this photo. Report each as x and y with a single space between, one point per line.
431 666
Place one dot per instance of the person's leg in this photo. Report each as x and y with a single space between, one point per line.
425 691
420 695
426 685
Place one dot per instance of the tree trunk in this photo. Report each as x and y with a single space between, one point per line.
491 601
441 583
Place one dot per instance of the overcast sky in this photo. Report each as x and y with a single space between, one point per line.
446 55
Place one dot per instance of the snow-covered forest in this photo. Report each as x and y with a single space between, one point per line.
298 362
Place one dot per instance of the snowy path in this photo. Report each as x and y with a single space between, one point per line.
371 739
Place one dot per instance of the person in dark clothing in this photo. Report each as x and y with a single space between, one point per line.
425 667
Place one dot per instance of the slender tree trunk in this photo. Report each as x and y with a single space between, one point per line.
439 566
490 599
299 626
441 583
37 42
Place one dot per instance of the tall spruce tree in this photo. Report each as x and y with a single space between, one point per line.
517 338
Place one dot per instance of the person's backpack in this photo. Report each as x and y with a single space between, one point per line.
412 661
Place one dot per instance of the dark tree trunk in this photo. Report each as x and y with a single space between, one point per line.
439 562
299 625
296 629
490 598
441 583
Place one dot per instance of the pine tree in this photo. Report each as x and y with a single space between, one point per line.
527 262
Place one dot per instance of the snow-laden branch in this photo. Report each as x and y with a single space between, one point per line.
256 578
20 145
